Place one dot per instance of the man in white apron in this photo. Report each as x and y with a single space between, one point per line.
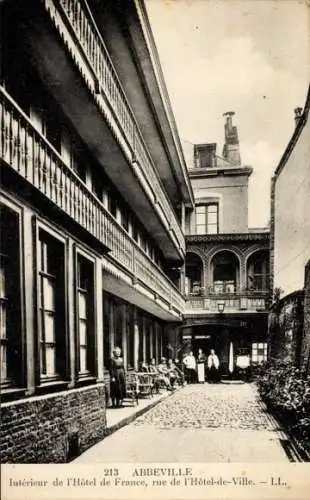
201 360
213 367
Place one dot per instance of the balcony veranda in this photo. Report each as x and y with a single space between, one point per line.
81 39
221 303
34 159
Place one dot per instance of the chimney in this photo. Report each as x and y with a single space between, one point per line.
231 150
298 114
229 115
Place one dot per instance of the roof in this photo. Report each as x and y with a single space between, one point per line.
296 134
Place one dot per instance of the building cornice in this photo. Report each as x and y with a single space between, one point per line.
215 238
220 171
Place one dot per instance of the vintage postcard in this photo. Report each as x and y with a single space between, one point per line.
155 249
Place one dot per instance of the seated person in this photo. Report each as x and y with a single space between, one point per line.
163 373
172 373
175 374
152 366
143 367
154 371
180 374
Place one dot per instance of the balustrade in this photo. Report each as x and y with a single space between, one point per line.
79 17
34 158
232 302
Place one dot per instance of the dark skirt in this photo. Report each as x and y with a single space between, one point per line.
118 387
214 374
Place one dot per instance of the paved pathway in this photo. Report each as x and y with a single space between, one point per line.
200 423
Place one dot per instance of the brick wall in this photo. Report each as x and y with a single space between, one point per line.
305 350
52 428
286 328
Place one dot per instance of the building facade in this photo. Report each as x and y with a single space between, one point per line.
94 195
290 246
227 264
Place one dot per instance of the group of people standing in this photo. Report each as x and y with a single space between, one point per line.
202 368
168 374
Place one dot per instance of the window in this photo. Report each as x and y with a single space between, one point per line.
10 300
52 125
135 233
207 219
78 165
15 71
125 219
85 316
258 271
259 352
143 242
112 204
97 184
51 301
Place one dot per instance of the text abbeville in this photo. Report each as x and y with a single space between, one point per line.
163 472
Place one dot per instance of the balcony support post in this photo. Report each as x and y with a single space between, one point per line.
29 303
136 341
151 341
156 354
112 327
144 339
183 217
124 334
99 321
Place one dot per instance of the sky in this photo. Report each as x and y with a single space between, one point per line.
249 56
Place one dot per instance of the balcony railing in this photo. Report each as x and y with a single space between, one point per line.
34 158
232 302
77 15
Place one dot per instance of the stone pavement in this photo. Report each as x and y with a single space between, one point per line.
200 423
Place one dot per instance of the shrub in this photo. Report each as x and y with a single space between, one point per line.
286 391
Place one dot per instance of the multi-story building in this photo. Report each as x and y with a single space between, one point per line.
227 264
289 326
94 194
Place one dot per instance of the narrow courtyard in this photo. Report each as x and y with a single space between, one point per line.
200 423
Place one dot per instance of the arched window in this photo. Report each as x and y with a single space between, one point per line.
193 275
225 272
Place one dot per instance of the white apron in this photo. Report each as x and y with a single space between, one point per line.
201 372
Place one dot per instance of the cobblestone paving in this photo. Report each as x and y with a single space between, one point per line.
234 406
199 423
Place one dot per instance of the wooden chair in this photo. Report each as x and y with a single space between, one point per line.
132 385
145 384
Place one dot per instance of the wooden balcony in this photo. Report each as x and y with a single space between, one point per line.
77 28
227 303
33 158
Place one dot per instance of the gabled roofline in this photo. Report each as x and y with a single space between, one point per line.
296 134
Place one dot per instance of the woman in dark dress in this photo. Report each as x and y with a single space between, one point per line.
118 381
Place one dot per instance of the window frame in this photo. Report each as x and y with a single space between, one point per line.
206 224
63 345
90 372
16 379
256 348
